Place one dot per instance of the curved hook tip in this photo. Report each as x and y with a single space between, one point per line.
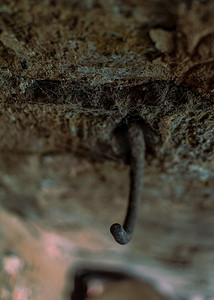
119 234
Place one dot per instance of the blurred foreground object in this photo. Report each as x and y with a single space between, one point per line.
104 284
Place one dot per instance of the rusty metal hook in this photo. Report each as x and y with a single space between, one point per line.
123 234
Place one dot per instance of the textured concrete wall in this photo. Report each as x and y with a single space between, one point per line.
71 72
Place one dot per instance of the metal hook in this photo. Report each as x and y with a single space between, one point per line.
123 234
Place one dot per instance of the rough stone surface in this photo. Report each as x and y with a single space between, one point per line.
73 74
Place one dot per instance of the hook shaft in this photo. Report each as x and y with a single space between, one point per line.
123 234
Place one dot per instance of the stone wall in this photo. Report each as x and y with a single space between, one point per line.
73 75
